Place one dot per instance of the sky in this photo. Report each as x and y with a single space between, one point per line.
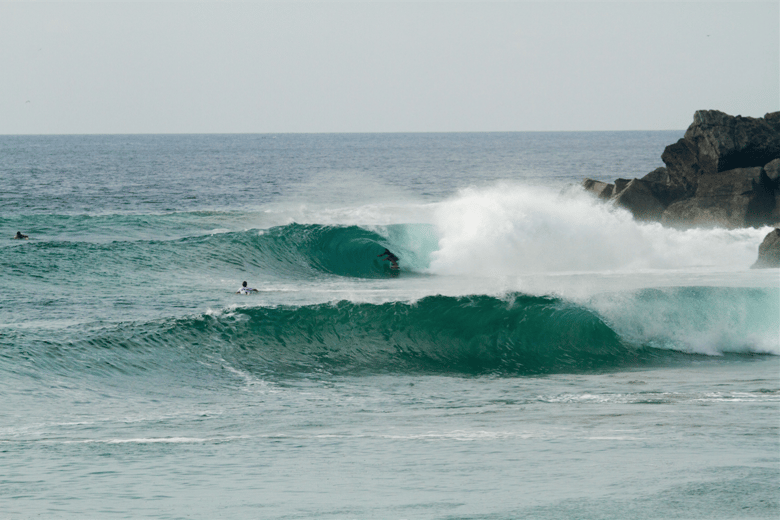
370 66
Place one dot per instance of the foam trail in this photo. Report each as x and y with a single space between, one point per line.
510 230
702 320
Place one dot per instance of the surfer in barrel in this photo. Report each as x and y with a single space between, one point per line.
246 290
392 258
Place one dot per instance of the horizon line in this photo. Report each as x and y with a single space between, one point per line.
335 133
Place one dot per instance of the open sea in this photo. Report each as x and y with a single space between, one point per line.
539 355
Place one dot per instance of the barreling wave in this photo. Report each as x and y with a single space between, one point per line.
340 250
310 250
520 335
290 251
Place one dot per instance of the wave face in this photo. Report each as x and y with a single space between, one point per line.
311 250
519 335
340 250
471 335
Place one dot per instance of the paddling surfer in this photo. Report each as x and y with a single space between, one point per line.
19 236
246 290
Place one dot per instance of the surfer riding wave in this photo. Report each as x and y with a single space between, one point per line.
392 258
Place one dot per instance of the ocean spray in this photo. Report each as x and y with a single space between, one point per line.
509 229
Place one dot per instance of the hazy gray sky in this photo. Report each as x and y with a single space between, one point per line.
224 67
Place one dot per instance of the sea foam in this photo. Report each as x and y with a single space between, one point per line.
509 229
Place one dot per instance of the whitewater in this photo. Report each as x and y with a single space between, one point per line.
540 354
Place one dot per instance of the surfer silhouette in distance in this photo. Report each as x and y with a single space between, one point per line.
19 236
392 258
246 290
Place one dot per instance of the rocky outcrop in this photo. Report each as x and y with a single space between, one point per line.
600 189
724 172
637 197
742 197
769 251
723 142
662 187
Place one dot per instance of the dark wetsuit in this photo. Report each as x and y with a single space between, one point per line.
392 258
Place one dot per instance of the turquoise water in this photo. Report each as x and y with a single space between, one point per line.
538 355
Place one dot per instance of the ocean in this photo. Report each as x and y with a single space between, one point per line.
538 355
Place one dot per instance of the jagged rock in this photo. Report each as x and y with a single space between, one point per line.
600 189
659 175
769 251
682 166
639 200
726 142
717 142
620 185
742 197
660 184
725 171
